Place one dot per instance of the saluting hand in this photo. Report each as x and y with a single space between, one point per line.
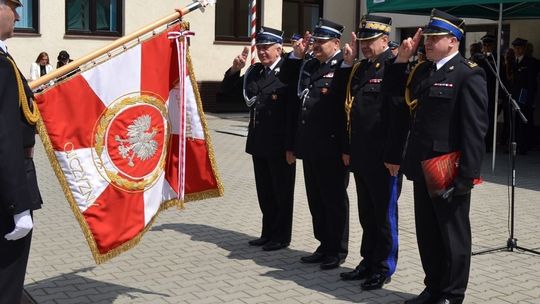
301 46
408 47
350 50
239 61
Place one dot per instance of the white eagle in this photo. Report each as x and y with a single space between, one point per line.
140 143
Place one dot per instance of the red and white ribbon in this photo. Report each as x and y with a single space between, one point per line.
181 50
253 31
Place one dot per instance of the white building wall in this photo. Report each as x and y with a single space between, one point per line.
343 13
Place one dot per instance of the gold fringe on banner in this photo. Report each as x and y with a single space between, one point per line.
213 192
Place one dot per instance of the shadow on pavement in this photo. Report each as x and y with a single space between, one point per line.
286 264
74 289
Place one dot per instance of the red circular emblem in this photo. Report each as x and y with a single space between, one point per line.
131 141
135 140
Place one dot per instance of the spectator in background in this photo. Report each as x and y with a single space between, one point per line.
40 67
475 48
421 54
393 47
508 71
509 62
488 61
533 136
295 37
420 57
63 59
524 90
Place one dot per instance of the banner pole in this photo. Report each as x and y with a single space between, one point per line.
117 43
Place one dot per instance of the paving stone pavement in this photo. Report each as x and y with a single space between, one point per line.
200 254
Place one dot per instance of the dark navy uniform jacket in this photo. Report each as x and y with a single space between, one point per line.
321 121
18 185
451 114
525 83
270 123
370 113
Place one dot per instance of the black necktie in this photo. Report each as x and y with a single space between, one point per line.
433 69
265 72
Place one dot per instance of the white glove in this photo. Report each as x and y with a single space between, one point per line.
23 225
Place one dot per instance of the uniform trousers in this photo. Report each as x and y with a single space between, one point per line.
274 179
326 186
525 131
378 217
14 254
13 261
443 232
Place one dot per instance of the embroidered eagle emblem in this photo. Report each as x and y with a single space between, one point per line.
140 141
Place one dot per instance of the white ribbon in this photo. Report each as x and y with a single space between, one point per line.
181 49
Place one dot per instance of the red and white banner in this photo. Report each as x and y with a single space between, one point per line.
115 137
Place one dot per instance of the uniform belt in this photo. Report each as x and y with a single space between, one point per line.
29 152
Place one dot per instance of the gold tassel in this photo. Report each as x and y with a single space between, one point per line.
349 99
412 104
31 116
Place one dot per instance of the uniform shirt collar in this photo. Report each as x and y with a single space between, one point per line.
3 46
443 61
375 59
332 57
274 64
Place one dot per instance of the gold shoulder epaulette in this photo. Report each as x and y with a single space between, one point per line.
471 64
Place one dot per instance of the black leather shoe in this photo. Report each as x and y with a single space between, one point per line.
375 281
258 242
425 297
315 257
271 246
359 273
331 262
448 301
